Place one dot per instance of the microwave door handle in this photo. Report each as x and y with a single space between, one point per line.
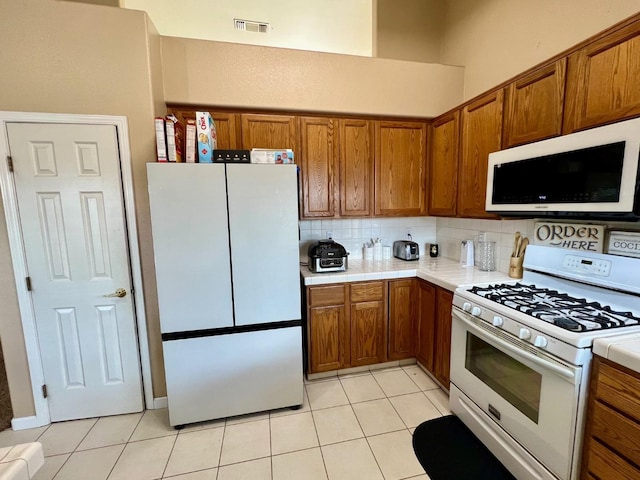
564 372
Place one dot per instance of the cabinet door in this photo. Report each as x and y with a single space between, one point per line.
318 160
367 333
327 327
426 324
401 318
534 105
227 126
269 131
602 83
328 338
443 336
481 135
356 167
400 160
443 166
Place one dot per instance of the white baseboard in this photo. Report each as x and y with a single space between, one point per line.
23 423
160 402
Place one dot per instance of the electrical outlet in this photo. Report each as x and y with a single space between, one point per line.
329 234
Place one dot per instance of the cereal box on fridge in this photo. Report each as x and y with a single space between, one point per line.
175 139
206 136
190 142
161 144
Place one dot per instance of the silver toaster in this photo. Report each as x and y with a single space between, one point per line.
406 250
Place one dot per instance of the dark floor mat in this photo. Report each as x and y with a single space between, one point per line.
6 413
448 450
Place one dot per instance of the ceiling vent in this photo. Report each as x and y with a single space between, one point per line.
251 26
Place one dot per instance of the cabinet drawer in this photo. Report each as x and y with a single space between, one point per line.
604 463
367 292
616 431
620 390
329 295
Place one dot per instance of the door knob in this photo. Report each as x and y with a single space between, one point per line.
120 292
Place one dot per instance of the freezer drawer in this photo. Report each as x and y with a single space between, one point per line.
224 375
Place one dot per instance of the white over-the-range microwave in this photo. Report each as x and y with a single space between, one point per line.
592 173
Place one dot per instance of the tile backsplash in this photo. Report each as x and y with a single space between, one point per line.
451 231
352 233
448 233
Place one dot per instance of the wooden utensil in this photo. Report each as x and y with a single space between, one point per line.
515 245
523 247
518 247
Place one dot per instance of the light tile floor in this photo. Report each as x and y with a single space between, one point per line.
355 426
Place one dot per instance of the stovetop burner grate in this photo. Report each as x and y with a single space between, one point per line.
560 309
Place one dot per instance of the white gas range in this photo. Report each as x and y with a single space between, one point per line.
521 351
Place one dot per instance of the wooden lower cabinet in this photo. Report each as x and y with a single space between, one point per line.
611 450
426 325
401 318
433 330
368 323
329 329
364 323
442 360
359 323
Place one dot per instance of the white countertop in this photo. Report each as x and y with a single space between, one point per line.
621 349
444 272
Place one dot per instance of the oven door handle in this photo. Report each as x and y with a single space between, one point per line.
564 372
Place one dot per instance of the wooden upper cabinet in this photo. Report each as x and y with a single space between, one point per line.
602 82
227 126
534 104
356 167
443 164
269 131
318 162
481 135
400 161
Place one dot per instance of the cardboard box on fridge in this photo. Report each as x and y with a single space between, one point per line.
269 155
161 143
206 136
175 139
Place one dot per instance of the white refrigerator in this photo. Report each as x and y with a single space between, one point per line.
225 240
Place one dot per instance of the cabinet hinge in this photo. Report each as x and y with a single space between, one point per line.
10 163
44 391
28 280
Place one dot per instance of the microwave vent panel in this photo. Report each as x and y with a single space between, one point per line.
251 26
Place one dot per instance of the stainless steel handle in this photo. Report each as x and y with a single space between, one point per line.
562 371
120 292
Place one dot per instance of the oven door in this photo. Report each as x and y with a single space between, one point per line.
532 396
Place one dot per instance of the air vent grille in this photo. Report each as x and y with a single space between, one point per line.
251 26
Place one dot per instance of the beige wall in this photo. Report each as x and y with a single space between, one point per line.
77 58
336 26
251 76
497 39
410 29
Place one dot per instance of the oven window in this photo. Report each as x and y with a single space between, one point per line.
512 380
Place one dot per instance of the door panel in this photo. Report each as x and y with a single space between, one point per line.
70 200
263 226
186 234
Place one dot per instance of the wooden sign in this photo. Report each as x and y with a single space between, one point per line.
574 236
624 243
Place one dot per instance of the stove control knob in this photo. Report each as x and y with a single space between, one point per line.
540 341
497 321
476 311
524 333
466 306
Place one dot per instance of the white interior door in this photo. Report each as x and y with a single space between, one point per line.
70 202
